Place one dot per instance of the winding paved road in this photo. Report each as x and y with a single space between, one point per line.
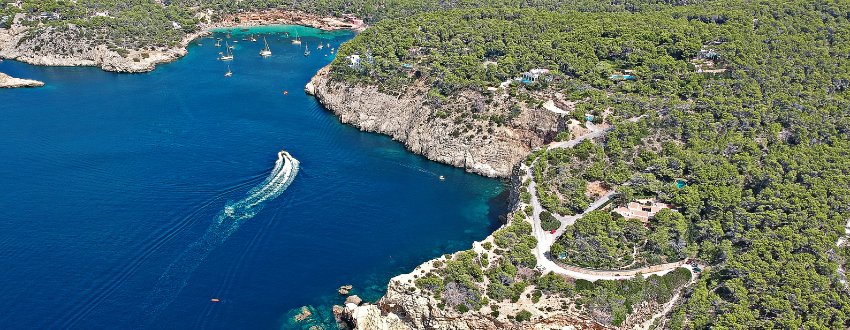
545 239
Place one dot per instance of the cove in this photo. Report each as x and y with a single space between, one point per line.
112 185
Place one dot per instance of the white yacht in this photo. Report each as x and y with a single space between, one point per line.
266 52
228 54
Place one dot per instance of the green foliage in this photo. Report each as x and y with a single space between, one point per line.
517 238
431 282
612 301
523 316
548 221
598 240
554 283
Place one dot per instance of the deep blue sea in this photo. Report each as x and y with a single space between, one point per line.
112 188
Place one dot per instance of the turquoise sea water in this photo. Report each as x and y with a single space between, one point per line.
113 188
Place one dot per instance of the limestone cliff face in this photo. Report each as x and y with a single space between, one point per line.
468 141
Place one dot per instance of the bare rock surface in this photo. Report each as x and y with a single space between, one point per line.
7 81
464 141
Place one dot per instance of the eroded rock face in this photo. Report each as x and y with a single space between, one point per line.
405 308
468 141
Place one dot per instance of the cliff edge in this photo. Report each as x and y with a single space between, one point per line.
452 137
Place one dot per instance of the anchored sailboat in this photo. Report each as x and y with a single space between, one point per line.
297 40
306 51
228 54
266 52
228 73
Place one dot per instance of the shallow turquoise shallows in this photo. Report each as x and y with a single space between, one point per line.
114 188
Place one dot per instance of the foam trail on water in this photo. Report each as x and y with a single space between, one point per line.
285 169
226 222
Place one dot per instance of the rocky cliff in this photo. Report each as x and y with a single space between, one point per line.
407 307
465 138
7 81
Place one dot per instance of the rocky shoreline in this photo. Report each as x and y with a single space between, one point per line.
476 145
67 49
7 81
406 307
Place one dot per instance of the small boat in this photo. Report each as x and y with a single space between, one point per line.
442 178
253 39
285 92
215 300
320 46
228 73
266 52
218 42
229 53
306 51
329 45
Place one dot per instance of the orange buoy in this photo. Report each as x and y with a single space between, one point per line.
215 300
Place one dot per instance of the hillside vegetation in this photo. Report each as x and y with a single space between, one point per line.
762 140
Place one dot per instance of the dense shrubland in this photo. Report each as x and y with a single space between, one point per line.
763 147
605 240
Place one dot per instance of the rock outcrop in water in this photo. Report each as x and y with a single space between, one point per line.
7 81
469 141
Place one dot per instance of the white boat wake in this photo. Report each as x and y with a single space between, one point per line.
227 221
280 178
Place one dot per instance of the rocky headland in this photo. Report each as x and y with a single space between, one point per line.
76 46
7 81
472 142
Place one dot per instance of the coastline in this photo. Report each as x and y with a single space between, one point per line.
476 145
15 45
